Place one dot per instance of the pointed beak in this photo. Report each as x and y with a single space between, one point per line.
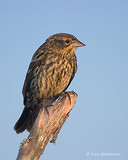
78 44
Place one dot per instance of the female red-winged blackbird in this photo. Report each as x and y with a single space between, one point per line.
51 70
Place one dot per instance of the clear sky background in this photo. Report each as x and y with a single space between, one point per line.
99 121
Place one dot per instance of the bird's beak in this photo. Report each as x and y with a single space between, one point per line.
78 44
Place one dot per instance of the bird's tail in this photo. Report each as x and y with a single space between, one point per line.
26 120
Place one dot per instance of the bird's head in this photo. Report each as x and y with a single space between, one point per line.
63 43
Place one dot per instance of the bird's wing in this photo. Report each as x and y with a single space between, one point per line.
33 67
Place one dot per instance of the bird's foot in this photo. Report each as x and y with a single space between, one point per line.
66 94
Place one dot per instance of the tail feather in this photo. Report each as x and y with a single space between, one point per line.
32 117
21 124
26 120
29 116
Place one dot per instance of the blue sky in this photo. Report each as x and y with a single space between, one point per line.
98 122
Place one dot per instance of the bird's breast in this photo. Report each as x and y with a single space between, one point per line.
55 77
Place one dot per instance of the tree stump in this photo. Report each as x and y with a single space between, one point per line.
47 126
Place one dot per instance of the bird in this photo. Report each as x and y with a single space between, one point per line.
51 70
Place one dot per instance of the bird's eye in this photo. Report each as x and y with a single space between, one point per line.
67 41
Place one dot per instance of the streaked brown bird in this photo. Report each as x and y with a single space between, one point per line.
52 68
